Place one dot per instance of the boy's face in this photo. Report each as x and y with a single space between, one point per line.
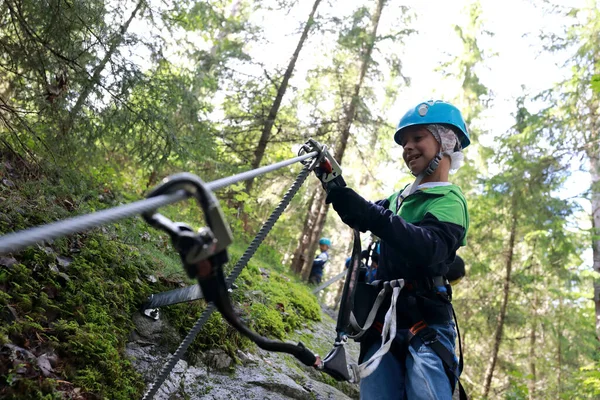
323 247
419 148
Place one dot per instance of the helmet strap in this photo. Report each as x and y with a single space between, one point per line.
433 164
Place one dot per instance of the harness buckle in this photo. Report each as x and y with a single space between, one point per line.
429 336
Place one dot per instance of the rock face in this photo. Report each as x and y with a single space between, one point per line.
256 375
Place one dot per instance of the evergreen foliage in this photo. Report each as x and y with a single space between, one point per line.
99 100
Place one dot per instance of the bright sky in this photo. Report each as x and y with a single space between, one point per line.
516 64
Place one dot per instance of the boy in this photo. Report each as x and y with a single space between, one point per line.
316 273
420 228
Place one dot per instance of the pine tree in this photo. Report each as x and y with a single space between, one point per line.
358 40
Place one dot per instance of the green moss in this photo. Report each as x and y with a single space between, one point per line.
30 389
83 312
292 364
273 306
288 301
266 321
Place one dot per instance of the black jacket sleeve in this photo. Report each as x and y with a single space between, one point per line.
427 242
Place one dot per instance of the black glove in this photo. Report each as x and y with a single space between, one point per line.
319 172
337 181
350 206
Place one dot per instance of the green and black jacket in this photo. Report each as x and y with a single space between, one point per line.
420 239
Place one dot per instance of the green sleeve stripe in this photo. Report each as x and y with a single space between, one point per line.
449 208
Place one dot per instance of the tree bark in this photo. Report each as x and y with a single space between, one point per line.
593 153
225 31
298 258
364 66
559 349
313 237
265 134
340 289
345 125
532 344
502 315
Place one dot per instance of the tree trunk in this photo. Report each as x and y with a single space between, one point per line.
225 31
270 121
532 344
338 295
533 329
206 67
501 317
559 349
345 126
364 66
313 237
95 79
301 250
593 153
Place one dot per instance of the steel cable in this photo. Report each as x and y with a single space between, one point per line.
16 241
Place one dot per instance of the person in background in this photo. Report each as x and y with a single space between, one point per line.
316 273
372 269
369 261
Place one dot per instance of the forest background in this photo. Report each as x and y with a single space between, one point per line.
99 100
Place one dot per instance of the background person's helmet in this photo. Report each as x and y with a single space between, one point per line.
435 112
325 241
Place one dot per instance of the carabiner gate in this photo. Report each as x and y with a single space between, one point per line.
202 252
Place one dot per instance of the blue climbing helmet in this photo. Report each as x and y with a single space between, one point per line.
325 241
435 112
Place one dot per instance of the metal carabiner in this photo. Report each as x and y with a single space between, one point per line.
325 165
335 363
195 248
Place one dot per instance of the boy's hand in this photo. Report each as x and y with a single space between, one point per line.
329 175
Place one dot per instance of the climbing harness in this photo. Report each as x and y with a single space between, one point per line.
335 363
367 311
421 333
355 320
